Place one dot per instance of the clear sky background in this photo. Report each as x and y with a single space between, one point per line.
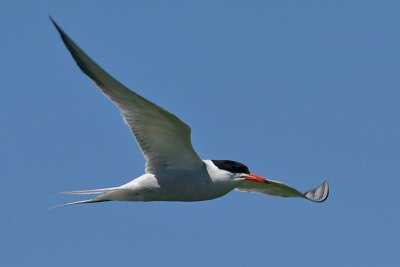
299 91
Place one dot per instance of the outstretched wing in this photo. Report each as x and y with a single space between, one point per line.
163 138
275 188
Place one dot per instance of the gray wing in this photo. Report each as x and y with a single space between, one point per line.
275 188
163 138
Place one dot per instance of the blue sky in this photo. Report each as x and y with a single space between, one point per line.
299 91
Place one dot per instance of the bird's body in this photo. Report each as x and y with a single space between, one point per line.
173 183
174 171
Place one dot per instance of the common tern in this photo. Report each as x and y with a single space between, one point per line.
174 171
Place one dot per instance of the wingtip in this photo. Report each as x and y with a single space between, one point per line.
58 28
53 21
318 194
75 51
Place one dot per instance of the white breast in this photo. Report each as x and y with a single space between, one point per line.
178 184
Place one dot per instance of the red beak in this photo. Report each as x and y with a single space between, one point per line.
254 177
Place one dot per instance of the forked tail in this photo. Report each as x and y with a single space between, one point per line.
100 198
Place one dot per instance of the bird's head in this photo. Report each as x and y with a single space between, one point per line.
237 171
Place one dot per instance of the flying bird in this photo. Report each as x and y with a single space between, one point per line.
173 171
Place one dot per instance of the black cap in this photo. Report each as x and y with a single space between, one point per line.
231 166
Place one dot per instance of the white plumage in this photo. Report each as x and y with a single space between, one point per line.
174 171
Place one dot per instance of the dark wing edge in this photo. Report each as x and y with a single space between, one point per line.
276 188
131 104
82 60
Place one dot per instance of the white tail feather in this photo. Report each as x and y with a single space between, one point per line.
80 202
89 192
